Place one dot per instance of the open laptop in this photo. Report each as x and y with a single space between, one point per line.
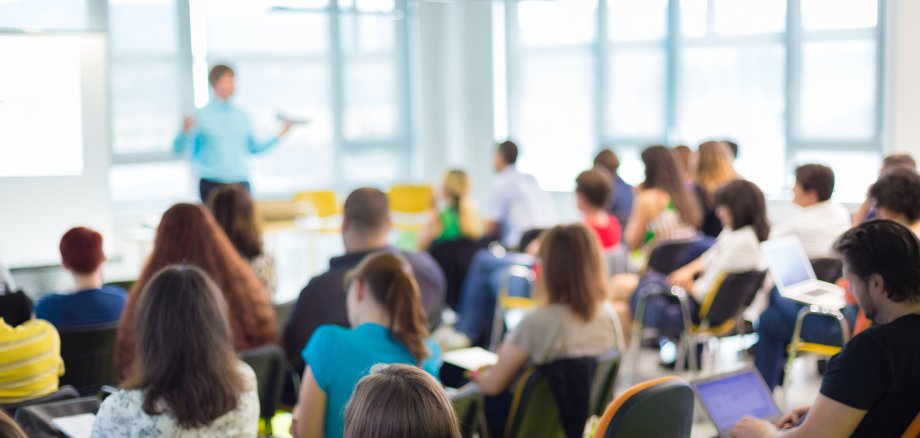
794 277
730 396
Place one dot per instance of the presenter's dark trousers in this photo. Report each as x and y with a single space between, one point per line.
206 186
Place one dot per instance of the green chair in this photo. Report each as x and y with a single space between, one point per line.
469 403
270 365
661 407
89 357
534 411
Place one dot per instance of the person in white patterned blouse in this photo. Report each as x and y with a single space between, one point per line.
187 380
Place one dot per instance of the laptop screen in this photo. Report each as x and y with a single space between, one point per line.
788 265
738 394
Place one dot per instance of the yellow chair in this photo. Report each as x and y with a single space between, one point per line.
797 346
409 206
510 309
913 431
321 203
411 199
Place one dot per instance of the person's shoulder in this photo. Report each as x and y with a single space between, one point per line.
420 261
246 372
328 282
330 334
49 299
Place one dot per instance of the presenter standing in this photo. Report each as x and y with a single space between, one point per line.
220 137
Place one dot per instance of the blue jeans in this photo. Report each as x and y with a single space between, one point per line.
480 291
775 329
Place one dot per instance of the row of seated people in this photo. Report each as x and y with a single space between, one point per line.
363 235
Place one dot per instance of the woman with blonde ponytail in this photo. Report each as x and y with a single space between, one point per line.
389 327
458 219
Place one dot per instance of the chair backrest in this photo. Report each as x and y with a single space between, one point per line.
89 357
319 203
282 313
913 430
656 408
668 256
410 199
827 269
617 260
469 404
605 376
65 392
731 296
454 257
36 419
269 364
534 411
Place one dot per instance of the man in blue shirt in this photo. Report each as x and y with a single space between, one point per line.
220 137
91 303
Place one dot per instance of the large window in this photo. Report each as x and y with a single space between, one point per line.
792 81
341 65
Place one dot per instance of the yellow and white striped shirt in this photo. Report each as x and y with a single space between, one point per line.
30 360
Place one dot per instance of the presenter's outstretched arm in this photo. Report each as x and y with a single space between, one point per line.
257 147
186 138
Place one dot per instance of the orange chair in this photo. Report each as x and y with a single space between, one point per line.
913 431
656 408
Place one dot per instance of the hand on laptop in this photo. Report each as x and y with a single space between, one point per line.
792 418
753 427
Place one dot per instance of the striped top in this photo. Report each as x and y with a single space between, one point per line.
668 226
30 361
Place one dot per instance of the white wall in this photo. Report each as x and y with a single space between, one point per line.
902 127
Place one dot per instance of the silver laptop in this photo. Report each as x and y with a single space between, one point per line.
730 396
794 277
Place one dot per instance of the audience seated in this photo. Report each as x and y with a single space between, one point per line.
575 321
92 303
31 361
518 204
365 227
187 380
621 197
896 197
188 234
866 211
664 209
741 207
592 192
870 388
819 221
713 170
457 219
397 401
385 309
232 208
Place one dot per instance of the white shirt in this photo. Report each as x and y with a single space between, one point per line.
735 251
518 204
817 226
122 414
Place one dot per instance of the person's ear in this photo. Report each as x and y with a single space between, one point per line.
346 224
876 285
389 223
66 265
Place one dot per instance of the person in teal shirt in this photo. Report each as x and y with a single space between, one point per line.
389 327
219 137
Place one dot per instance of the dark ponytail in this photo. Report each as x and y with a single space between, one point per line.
392 284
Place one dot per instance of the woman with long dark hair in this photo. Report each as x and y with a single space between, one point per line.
187 380
188 234
232 208
385 311
663 209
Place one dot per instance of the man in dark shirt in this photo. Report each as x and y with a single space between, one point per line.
872 387
364 231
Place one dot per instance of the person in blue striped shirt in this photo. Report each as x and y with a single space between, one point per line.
220 138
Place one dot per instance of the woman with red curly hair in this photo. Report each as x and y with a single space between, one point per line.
188 234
